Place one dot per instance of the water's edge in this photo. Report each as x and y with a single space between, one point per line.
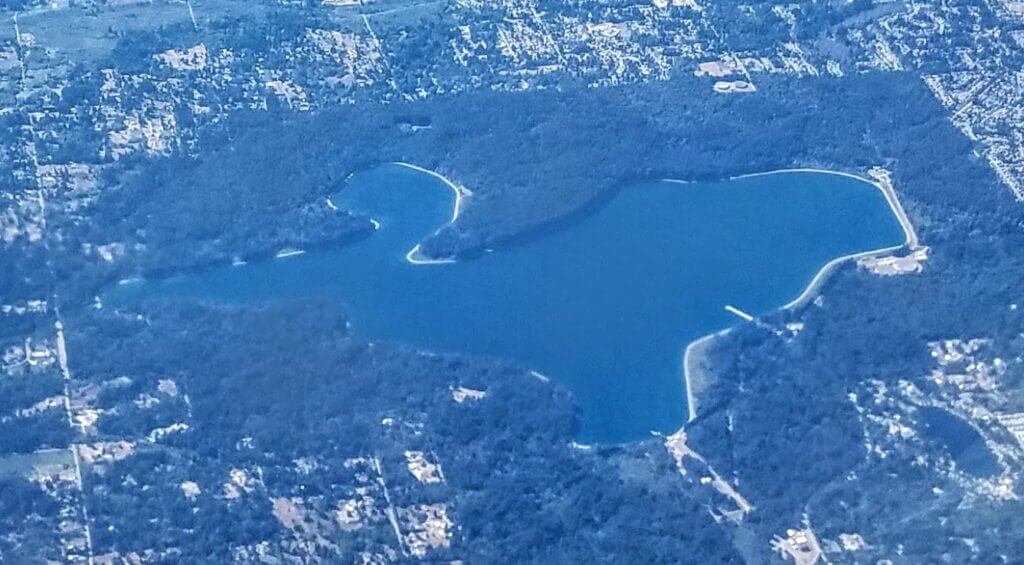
697 374
698 377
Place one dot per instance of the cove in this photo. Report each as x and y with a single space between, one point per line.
604 306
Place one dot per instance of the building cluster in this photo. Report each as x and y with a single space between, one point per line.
988 107
68 412
391 505
31 374
969 382
800 545
66 126
968 54
514 45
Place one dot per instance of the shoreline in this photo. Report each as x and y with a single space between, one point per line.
694 380
690 370
877 177
285 253
461 193
414 257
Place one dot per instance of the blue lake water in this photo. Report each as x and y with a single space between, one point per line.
605 306
962 442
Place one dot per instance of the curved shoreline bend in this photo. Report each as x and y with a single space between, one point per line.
877 177
415 255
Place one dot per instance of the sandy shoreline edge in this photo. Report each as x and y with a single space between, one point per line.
415 255
695 379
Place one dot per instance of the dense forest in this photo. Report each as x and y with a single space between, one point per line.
516 489
545 158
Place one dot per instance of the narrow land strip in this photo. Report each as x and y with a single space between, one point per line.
415 255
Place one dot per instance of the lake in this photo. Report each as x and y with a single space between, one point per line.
604 306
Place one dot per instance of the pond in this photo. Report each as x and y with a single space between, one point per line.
959 440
